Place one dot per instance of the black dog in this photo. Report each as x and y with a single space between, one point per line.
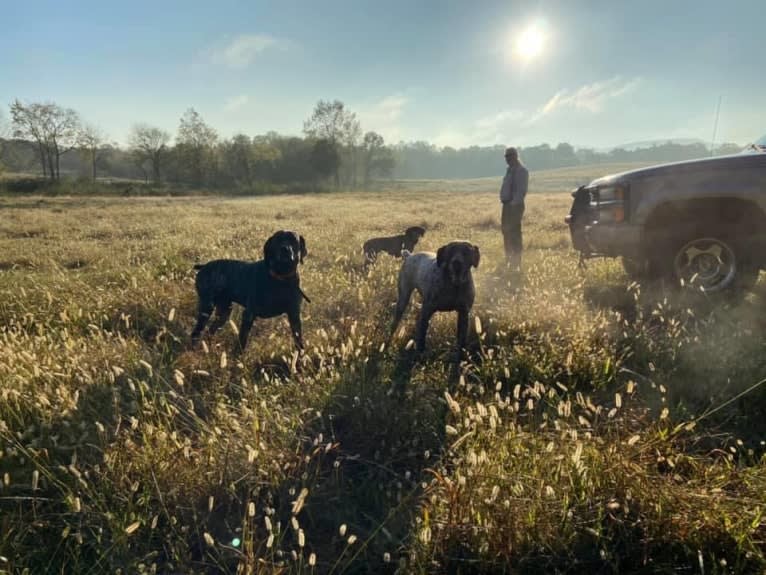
266 288
392 245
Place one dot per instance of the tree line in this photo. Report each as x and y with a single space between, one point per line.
51 140
422 160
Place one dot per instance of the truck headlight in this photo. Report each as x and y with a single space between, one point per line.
609 202
611 194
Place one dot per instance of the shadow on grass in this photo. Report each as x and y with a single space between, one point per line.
381 428
615 297
705 349
51 481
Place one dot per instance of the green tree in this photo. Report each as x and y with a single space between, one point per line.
338 127
325 159
244 161
264 158
236 159
377 159
195 147
565 155
294 163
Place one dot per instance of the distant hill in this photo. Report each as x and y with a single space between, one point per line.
638 145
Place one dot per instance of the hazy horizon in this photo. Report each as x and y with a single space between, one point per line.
596 75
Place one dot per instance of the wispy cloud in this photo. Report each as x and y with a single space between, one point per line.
514 122
499 119
384 116
494 129
240 51
487 130
236 103
590 97
452 137
517 124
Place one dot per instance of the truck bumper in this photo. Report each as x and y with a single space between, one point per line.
613 240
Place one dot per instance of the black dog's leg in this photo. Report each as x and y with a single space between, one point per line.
204 310
222 313
420 336
296 327
248 317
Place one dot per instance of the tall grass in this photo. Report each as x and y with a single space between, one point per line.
590 428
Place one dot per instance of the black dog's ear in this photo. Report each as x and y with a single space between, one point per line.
267 247
415 232
476 257
304 253
441 256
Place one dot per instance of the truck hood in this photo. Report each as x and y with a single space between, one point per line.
736 161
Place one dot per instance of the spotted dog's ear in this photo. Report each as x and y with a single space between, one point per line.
304 253
476 256
442 255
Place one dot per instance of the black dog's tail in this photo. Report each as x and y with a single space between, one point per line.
199 266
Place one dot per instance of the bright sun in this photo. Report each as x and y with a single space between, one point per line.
530 43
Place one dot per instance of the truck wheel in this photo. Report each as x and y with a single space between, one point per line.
712 264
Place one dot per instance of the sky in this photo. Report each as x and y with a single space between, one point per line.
454 73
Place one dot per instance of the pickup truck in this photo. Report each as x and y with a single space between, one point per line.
699 223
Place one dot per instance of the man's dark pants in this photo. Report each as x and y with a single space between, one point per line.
511 226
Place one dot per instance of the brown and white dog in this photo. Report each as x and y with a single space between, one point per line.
445 283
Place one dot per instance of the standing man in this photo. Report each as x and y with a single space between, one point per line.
512 194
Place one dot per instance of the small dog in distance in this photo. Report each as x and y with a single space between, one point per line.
392 245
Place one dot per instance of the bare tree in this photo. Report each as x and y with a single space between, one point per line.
92 144
27 123
327 121
148 144
352 136
5 132
54 129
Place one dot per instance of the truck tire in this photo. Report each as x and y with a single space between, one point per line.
710 261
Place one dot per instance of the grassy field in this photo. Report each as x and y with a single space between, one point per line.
596 425
557 180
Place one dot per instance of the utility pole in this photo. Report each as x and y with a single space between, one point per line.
715 126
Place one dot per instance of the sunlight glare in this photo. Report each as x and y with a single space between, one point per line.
530 43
